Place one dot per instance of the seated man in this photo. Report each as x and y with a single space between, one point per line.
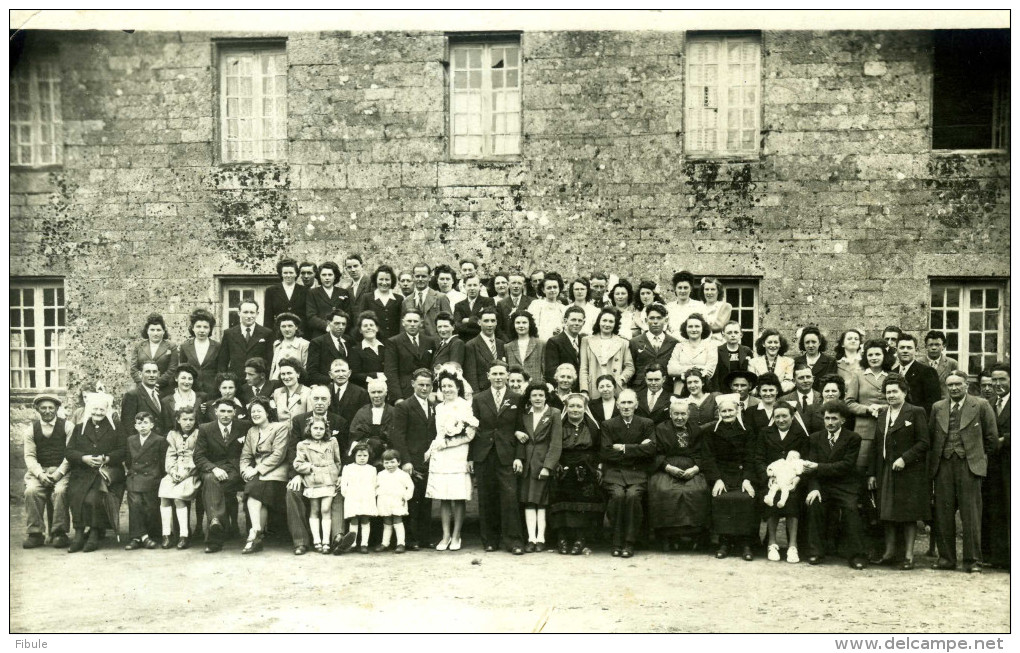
628 453
46 475
833 486
218 459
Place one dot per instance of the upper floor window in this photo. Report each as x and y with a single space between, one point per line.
485 99
35 125
253 103
38 337
722 97
971 315
970 90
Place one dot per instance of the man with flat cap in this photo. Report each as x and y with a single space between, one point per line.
46 475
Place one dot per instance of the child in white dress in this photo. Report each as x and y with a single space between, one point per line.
394 489
180 485
357 484
318 462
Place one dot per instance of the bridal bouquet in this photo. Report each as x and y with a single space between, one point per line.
453 419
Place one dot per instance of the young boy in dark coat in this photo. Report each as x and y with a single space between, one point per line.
146 459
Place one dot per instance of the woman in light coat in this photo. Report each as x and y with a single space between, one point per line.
264 469
292 398
770 347
693 350
605 353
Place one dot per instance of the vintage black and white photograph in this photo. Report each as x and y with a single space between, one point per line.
510 322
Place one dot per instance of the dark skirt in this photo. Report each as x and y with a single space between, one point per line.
534 490
576 501
734 512
900 506
677 507
271 494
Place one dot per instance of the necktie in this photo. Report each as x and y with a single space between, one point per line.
499 399
573 341
247 333
415 341
226 434
740 407
832 439
803 403
420 302
998 406
155 399
955 410
492 348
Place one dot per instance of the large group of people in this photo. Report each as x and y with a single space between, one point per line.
362 399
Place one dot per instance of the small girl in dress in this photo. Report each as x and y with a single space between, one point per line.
180 485
318 462
393 490
357 484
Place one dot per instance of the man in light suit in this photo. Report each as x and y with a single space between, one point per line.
325 349
449 348
491 460
995 500
565 347
467 310
411 435
142 397
244 341
430 302
653 346
405 353
516 300
653 401
480 351
922 379
935 345
964 433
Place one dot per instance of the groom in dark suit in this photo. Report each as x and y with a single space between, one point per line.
491 459
411 436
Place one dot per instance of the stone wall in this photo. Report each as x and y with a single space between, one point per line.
844 216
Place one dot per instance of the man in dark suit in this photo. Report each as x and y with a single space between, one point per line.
244 341
922 379
297 505
467 310
733 356
935 358
325 349
891 335
491 459
428 301
481 350
449 348
146 457
804 397
412 435
516 300
405 353
307 272
834 487
345 398
288 296
144 396
565 347
963 434
995 502
599 284
653 346
218 459
627 452
256 381
653 401
358 283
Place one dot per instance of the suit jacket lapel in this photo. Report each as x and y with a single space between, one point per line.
531 347
142 390
968 412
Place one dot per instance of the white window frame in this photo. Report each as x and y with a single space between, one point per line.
35 83
488 98
962 353
255 285
742 284
52 375
265 147
698 95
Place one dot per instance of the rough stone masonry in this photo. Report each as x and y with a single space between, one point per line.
844 216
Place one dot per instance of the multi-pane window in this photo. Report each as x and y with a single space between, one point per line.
35 124
971 315
485 100
253 104
742 295
722 98
235 291
970 89
38 338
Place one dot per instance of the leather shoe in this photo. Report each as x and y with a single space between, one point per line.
300 550
216 530
973 568
92 543
814 560
213 547
884 561
628 552
857 563
379 548
944 565
33 541
414 546
539 547
616 553
149 543
748 554
168 542
489 548
60 541
577 549
564 547
183 543
529 547
517 551
724 550
133 544
907 565
363 549
78 544
400 548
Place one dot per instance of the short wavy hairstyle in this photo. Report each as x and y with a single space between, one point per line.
532 327
706 328
199 315
839 350
759 344
587 288
608 310
157 319
874 343
835 379
446 374
823 342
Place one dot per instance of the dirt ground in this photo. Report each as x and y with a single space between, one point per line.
115 591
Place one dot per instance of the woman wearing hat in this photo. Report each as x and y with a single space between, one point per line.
95 454
46 475
577 505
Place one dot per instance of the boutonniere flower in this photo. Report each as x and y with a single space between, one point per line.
262 339
512 407
428 351
641 350
908 423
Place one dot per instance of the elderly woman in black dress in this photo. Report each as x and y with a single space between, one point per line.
775 441
678 497
95 453
577 505
734 511
899 469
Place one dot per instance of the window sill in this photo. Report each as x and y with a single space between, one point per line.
969 152
53 167
21 396
488 161
723 158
